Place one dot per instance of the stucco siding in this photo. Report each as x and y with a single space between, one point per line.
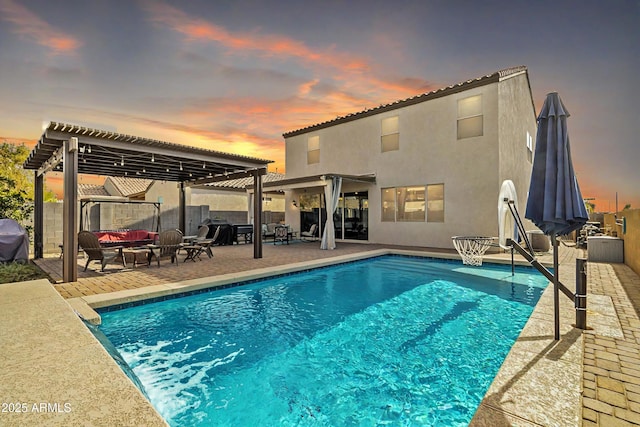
430 152
517 117
166 190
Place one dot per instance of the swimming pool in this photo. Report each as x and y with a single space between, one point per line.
391 340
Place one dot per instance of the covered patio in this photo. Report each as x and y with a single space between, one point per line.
330 189
74 150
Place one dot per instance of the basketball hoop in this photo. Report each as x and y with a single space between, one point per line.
472 248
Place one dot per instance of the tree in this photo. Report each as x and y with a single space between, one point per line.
627 206
13 201
16 184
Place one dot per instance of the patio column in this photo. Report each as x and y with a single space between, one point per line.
182 202
70 211
257 214
38 215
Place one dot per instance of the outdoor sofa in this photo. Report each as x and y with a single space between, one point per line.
126 238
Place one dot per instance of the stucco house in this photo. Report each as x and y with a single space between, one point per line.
416 171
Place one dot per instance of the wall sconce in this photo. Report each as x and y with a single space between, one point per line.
294 203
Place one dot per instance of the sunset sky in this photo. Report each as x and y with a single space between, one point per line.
234 75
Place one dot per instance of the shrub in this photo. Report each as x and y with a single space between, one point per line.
18 272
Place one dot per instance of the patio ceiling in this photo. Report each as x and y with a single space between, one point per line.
114 154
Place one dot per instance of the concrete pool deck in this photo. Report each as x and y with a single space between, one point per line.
588 377
54 372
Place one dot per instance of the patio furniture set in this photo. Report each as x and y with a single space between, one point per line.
284 233
143 247
166 244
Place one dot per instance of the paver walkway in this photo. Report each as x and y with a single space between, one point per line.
611 375
611 365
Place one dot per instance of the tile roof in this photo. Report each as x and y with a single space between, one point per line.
88 190
438 93
130 186
242 183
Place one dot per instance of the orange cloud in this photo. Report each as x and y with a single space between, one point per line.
352 74
29 25
196 29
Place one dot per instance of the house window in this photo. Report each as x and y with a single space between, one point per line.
390 135
389 204
410 204
470 117
403 204
435 203
529 147
313 150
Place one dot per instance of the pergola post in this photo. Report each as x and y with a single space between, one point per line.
70 211
182 207
38 215
257 214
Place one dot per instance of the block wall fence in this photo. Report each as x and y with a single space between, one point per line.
631 235
114 216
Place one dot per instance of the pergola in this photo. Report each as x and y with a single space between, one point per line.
75 149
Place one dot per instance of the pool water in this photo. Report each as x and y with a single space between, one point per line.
387 341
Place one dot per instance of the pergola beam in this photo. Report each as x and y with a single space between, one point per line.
226 177
158 148
54 160
142 162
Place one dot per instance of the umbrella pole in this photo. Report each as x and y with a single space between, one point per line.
556 279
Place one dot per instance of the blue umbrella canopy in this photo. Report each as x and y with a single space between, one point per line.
555 204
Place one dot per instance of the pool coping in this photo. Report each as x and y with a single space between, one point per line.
86 306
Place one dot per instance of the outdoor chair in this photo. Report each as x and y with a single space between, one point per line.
268 231
202 232
91 246
206 244
193 246
169 242
281 234
309 235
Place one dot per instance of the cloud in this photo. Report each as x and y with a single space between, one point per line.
60 74
29 25
198 61
349 73
196 29
229 136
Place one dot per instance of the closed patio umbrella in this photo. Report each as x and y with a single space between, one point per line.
555 204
